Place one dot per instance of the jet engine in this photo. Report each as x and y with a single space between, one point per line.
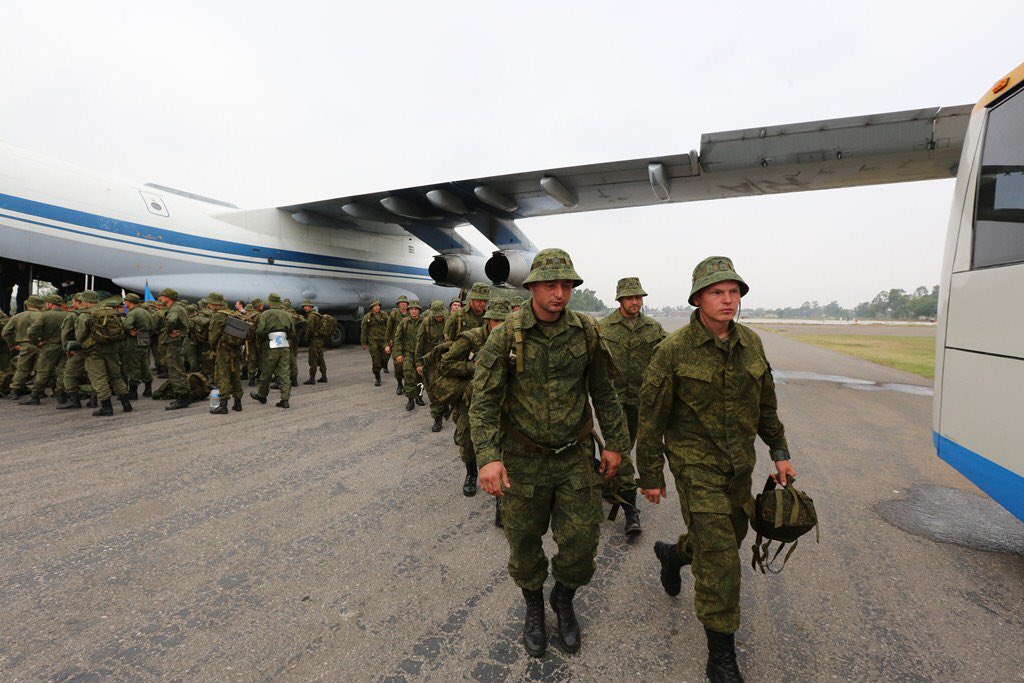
509 266
457 270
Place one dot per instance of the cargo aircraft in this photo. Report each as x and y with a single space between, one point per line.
342 252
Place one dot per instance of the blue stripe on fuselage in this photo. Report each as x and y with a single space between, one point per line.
1004 486
161 237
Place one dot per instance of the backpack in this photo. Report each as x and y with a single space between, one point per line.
237 329
328 326
781 514
199 330
440 388
107 328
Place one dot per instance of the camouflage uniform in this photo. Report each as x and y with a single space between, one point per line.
227 372
274 361
703 401
431 334
74 366
373 334
394 319
138 323
545 402
252 345
299 322
315 328
175 319
102 358
44 334
5 358
465 319
404 347
15 333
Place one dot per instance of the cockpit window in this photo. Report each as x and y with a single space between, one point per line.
999 215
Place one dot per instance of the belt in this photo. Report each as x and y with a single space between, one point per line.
585 432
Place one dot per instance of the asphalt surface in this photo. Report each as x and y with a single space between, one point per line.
332 542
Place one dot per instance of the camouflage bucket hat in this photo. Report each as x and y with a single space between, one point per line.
34 300
402 299
715 269
89 297
517 301
170 293
53 299
307 302
437 307
273 298
629 286
132 297
375 302
497 310
415 303
216 298
256 302
481 291
552 264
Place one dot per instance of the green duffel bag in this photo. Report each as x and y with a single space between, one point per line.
781 514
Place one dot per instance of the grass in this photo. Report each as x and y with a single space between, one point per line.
911 354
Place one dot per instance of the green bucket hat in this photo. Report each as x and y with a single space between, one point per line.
629 286
170 293
715 269
132 297
375 302
402 299
517 301
306 302
89 297
256 302
498 309
34 300
273 298
552 264
480 291
415 303
437 307
216 298
53 299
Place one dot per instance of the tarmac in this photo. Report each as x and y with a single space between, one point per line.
332 542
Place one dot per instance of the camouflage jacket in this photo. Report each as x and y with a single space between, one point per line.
431 334
274 319
138 319
47 327
459 362
547 401
703 401
374 328
460 322
394 319
314 323
16 330
631 343
406 333
175 318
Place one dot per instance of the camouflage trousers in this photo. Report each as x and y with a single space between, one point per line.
24 364
138 363
47 361
293 351
411 378
191 353
74 372
377 356
712 502
316 357
625 480
103 366
252 358
5 357
227 372
275 362
174 364
557 491
460 413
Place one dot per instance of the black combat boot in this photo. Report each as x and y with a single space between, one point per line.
257 397
469 486
237 405
401 388
106 409
436 427
148 389
295 381
535 637
126 403
178 404
221 409
323 378
376 378
283 403
91 403
133 391
722 666
19 392
73 401
30 400
312 378
252 380
62 396
568 627
245 373
411 405
419 401
671 565
497 513
632 528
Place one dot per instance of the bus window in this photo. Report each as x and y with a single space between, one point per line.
999 218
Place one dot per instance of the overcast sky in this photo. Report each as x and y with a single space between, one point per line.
270 103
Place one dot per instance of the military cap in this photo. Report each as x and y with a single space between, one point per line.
170 293
133 297
415 303
375 302
287 302
53 299
552 264
480 291
437 307
401 299
202 302
455 300
273 298
77 296
307 302
89 297
34 300
216 298
629 286
517 301
256 302
715 269
497 309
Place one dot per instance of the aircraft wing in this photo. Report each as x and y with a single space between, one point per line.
902 146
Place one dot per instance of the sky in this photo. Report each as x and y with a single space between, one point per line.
270 103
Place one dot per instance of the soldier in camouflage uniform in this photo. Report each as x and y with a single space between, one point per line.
44 334
533 433
404 349
252 346
431 334
5 358
274 361
15 333
172 336
373 336
300 332
316 329
227 372
74 365
399 313
631 337
468 317
706 394
138 326
102 355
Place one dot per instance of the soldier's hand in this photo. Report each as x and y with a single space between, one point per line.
387 349
786 473
494 478
419 369
654 495
398 359
365 346
610 461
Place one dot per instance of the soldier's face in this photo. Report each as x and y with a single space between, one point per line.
414 313
631 305
376 309
478 306
403 306
720 301
456 305
551 297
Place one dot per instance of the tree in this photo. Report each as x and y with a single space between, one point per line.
586 300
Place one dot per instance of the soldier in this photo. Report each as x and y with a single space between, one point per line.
631 337
373 335
252 345
300 333
706 394
459 363
227 372
99 332
533 433
74 364
44 334
399 313
15 333
5 358
196 330
316 328
468 317
431 334
454 305
138 325
275 358
156 314
172 336
404 350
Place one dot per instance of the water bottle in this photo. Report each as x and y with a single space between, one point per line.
214 399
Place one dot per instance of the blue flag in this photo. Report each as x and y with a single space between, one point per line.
148 295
